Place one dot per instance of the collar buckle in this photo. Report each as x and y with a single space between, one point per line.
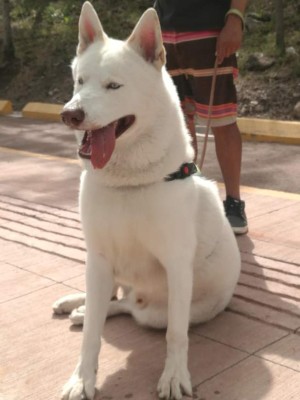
186 170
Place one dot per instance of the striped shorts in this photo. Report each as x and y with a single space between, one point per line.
190 62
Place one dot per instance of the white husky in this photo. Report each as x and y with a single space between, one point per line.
166 241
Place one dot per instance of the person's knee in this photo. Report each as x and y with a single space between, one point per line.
226 129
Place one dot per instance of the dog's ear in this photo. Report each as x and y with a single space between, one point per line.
146 39
90 28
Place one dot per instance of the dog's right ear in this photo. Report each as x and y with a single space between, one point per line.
90 28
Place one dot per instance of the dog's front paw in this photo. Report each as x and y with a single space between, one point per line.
79 388
174 382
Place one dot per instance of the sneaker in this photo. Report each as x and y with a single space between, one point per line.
235 213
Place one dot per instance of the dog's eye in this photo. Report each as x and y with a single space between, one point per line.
80 81
113 86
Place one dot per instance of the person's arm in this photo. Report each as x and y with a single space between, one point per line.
230 38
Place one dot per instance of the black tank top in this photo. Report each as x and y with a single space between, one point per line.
191 15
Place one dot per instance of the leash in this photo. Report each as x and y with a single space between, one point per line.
211 100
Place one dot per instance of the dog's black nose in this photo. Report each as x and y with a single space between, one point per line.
73 118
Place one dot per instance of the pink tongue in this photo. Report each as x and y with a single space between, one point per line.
103 143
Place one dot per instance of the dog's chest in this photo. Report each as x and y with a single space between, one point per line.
115 225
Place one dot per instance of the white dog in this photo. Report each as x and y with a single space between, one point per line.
166 240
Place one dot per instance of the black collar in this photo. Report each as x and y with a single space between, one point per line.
186 170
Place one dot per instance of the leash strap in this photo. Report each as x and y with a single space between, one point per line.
186 170
211 100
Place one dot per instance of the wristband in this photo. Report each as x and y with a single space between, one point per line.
238 13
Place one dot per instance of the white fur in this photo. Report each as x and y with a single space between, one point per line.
168 243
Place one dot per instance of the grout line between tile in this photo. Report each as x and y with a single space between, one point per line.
221 372
28 293
276 363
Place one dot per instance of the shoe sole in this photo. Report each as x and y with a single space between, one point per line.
240 230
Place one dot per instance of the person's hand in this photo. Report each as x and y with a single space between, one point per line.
230 38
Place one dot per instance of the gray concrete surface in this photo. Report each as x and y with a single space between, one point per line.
265 165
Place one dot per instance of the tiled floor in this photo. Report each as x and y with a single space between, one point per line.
249 352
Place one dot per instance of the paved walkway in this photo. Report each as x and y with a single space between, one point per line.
249 352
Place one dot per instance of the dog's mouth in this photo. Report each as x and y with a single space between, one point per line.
98 145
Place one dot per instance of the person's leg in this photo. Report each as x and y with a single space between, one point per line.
228 146
196 74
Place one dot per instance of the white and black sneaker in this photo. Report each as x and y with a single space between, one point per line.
235 213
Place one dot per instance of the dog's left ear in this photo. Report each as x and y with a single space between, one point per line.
146 39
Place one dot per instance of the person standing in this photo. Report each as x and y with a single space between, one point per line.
195 32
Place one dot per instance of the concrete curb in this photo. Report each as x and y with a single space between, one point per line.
5 107
43 111
252 129
265 130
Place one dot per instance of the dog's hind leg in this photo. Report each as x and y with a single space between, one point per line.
66 304
116 307
74 302
77 316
